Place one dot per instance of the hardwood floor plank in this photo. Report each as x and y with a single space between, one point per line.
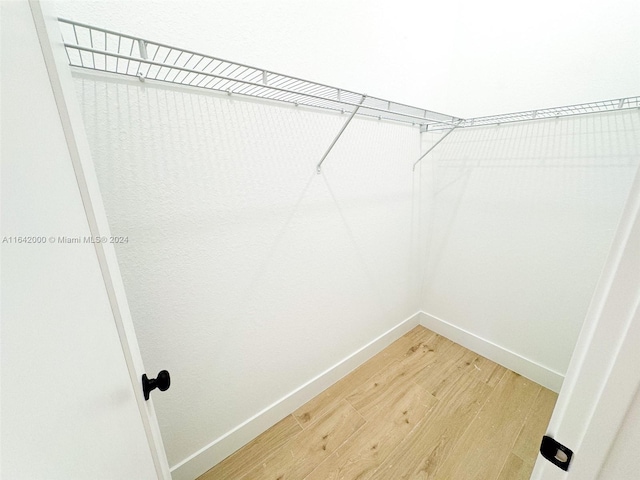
302 454
370 397
484 369
363 453
409 343
332 396
403 347
444 370
255 452
528 442
515 468
420 454
493 432
457 361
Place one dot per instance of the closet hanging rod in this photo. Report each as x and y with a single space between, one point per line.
96 48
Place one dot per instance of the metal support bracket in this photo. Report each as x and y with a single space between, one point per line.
436 144
142 45
335 140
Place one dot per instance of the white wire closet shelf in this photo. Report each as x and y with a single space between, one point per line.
554 112
105 50
96 48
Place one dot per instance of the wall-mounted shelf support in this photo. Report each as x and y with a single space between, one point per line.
335 140
142 46
434 145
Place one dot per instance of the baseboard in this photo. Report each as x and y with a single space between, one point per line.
201 461
511 360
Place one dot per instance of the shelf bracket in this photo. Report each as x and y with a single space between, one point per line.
335 140
142 45
436 144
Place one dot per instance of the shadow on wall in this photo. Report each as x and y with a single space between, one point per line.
240 257
518 220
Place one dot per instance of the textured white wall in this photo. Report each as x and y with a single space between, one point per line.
518 222
247 273
461 57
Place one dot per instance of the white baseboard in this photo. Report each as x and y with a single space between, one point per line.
201 461
511 360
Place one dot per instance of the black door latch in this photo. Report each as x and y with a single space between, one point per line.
556 453
162 383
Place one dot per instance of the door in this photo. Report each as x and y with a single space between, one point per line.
603 375
72 406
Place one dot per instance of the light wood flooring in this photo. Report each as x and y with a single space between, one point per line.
423 408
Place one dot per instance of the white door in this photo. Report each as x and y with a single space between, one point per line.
71 401
603 375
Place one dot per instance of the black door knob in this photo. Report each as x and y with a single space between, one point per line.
162 383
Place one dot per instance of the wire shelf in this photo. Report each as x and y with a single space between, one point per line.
100 49
555 112
96 48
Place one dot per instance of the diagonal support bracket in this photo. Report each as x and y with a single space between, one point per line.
436 144
335 140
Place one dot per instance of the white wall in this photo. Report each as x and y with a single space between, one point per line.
461 57
68 405
518 220
247 273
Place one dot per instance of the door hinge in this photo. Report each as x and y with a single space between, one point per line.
556 453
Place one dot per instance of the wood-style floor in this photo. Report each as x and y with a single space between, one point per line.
423 408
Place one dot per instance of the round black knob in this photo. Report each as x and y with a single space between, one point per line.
162 383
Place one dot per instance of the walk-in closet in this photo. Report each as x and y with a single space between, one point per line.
320 240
